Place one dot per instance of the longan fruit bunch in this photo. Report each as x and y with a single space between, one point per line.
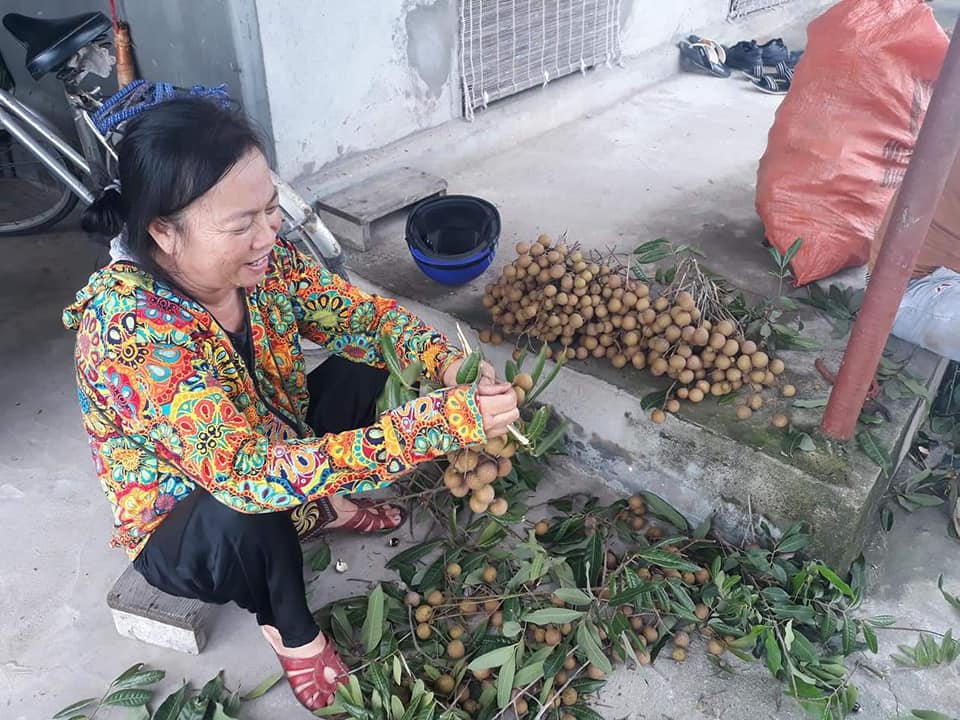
472 471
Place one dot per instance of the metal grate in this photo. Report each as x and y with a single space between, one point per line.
739 8
507 46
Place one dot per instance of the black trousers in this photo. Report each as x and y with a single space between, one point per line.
208 551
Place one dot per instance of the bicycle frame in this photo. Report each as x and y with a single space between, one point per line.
14 115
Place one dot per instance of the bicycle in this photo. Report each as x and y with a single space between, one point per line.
43 176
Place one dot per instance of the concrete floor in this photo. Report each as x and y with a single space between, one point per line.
57 642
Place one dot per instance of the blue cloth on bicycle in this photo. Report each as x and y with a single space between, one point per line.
140 95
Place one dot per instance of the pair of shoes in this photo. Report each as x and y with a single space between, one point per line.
751 58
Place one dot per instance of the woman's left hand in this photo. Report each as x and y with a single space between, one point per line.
487 373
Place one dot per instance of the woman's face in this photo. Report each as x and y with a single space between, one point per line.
225 236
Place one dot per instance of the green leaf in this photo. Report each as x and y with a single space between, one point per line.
214 688
541 363
218 713
319 558
550 440
666 560
791 252
135 668
572 596
372 631
630 594
72 708
930 715
703 529
659 507
470 369
655 399
510 370
552 615
505 680
954 600
131 697
139 679
511 629
389 353
831 577
582 712
493 659
774 657
589 641
171 707
533 669
870 637
411 374
263 687
195 709
872 449
411 555
551 376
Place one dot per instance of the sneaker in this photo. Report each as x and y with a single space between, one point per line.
775 52
744 55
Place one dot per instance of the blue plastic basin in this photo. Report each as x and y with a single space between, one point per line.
453 239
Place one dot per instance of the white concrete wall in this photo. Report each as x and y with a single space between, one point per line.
348 76
646 24
343 78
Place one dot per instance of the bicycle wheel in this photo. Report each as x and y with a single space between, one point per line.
31 198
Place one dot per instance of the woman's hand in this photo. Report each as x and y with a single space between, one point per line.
487 373
498 407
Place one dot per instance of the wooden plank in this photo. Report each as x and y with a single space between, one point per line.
133 595
382 194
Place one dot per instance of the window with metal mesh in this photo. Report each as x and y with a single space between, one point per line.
507 46
739 8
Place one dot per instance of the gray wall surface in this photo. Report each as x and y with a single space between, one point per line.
344 77
179 41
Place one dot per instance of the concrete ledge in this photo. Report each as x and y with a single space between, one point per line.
705 461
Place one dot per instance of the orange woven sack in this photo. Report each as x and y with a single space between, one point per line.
845 132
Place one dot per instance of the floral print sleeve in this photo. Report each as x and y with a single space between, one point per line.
350 322
175 403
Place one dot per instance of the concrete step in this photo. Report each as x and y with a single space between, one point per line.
703 460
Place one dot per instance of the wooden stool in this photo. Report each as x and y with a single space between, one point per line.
348 213
143 613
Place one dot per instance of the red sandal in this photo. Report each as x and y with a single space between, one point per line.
311 519
307 678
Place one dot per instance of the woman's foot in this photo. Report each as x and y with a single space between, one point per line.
313 670
352 513
337 512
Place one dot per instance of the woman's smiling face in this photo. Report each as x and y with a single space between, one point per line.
224 238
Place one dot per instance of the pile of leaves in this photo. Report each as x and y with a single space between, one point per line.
498 618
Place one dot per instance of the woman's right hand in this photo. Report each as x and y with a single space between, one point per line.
498 407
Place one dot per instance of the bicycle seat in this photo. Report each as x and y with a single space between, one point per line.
50 43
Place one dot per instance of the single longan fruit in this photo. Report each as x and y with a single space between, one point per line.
715 647
701 336
423 613
455 649
499 507
701 611
679 654
435 598
650 634
748 347
780 420
744 412
789 391
454 571
681 640
541 528
658 416
725 327
524 381
744 364
777 366
673 406
759 360
456 631
696 395
423 631
756 401
489 574
718 340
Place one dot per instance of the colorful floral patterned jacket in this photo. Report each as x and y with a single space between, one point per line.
169 405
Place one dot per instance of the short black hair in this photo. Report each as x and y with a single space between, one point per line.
169 156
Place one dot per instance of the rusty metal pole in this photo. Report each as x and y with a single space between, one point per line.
937 145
